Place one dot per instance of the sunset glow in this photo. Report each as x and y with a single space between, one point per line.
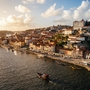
27 14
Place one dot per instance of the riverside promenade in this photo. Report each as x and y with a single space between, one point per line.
85 63
79 62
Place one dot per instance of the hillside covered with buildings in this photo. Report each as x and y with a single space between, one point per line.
73 41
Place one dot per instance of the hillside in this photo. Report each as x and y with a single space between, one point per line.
3 33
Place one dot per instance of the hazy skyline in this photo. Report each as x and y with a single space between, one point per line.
25 14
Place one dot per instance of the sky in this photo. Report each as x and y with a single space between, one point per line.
30 14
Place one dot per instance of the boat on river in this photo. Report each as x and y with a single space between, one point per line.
43 76
60 63
75 68
27 52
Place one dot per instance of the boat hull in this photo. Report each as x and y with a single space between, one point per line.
43 76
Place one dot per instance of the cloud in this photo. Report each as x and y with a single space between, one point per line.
4 12
40 1
27 1
22 9
14 22
63 21
81 10
78 13
66 14
88 13
52 12
33 1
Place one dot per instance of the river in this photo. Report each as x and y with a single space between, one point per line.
18 72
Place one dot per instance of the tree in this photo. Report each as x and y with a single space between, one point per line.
60 39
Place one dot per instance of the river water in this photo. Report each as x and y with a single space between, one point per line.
18 72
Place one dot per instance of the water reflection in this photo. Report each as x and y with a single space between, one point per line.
7 50
19 73
15 52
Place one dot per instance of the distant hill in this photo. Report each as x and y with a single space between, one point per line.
3 33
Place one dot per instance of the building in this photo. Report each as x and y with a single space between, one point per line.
78 25
66 31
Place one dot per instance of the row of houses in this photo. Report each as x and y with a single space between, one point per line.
39 40
42 47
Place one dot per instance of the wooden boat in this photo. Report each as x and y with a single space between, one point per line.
75 68
63 64
27 52
22 52
43 76
59 63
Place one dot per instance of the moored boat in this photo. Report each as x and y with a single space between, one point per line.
60 63
27 52
75 68
43 76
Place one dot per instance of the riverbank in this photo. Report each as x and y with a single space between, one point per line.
85 63
79 62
